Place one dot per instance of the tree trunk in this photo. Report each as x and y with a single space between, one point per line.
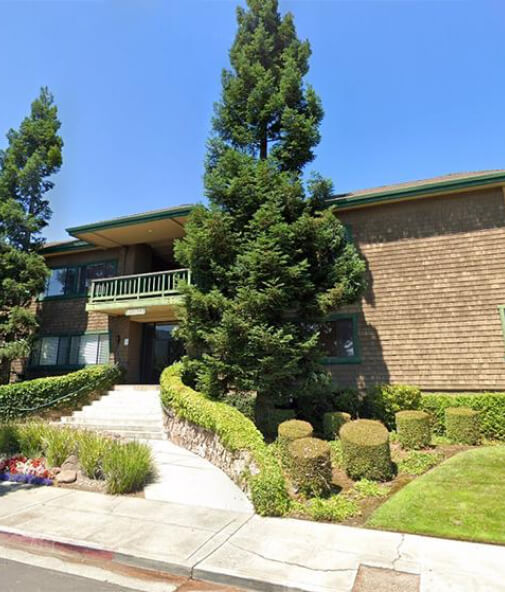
5 371
264 147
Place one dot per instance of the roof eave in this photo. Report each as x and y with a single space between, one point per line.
130 220
441 187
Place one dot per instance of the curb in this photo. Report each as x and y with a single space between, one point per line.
93 552
80 550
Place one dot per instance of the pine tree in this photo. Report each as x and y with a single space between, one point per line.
33 154
269 260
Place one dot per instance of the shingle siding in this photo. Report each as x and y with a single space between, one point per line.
436 277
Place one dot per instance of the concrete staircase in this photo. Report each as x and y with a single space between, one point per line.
129 411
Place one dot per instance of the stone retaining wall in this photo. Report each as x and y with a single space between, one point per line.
208 445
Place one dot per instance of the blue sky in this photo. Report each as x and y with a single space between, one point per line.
410 89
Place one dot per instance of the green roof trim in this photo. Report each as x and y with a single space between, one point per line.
154 216
460 183
65 247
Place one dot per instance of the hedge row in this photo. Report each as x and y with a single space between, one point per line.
490 405
35 396
268 487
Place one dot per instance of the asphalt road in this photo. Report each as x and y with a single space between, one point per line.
20 577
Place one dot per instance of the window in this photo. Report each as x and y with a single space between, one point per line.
339 339
75 281
71 350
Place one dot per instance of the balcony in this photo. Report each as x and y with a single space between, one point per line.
144 297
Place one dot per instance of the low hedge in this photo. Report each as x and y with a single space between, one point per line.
55 392
268 487
462 425
490 405
332 422
365 450
413 428
310 466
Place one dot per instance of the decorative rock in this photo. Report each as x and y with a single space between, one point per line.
72 463
55 470
66 476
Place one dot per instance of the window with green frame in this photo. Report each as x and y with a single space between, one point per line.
71 281
70 350
339 339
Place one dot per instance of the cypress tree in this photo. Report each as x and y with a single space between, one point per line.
32 155
269 260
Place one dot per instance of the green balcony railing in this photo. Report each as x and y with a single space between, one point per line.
137 287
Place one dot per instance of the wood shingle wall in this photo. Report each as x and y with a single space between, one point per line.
436 277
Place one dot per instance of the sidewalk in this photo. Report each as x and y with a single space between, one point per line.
244 550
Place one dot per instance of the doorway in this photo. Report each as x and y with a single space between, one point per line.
159 349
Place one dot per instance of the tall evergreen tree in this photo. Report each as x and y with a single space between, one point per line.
33 154
269 260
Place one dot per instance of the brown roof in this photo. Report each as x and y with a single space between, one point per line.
419 183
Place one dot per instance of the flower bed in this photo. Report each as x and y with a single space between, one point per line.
20 469
38 453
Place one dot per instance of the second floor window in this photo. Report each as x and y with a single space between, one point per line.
75 281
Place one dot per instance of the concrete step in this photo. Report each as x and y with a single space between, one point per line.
123 433
113 421
112 424
130 397
137 387
151 406
139 415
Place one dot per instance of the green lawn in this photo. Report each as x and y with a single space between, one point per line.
464 497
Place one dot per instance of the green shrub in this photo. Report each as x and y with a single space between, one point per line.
332 509
31 438
414 429
310 466
462 425
9 442
313 407
366 488
332 422
267 487
271 418
22 398
291 430
384 400
490 405
127 467
337 457
59 444
244 402
365 448
92 448
417 463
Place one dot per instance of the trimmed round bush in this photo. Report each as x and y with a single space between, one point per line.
413 429
332 422
365 450
310 466
462 425
293 429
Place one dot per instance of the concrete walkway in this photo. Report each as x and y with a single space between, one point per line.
134 412
244 550
186 478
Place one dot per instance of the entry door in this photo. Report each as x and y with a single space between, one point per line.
160 349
